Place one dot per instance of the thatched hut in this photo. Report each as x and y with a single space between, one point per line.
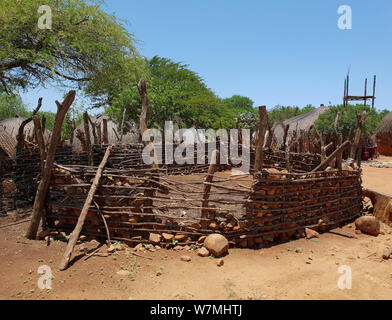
299 123
384 136
11 127
131 132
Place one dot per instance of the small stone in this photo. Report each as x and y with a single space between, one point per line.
180 237
157 248
83 248
368 224
123 273
311 233
83 238
138 246
220 263
216 244
201 239
387 253
186 258
167 236
155 238
178 248
203 252
187 247
111 249
41 235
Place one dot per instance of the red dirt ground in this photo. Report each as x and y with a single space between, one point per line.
300 269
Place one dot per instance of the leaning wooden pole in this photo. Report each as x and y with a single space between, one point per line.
332 157
82 217
263 124
43 186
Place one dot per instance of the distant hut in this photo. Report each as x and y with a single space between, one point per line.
299 123
11 127
131 132
384 136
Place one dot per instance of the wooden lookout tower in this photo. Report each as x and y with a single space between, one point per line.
363 98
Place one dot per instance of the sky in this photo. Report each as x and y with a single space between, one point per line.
287 52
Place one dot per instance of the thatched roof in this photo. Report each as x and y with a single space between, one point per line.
301 122
7 144
132 136
384 136
11 126
9 130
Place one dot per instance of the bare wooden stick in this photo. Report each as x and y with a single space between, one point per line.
115 132
20 136
88 139
122 125
40 140
332 157
143 116
263 124
207 187
361 121
99 133
105 131
339 157
93 129
79 225
38 207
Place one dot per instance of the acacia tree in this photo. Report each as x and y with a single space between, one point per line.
175 93
85 46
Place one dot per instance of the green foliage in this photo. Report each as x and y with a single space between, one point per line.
11 106
348 120
85 46
174 93
281 113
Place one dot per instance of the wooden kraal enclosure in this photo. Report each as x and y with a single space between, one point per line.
131 204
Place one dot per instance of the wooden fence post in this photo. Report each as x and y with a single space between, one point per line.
40 141
260 138
88 139
43 186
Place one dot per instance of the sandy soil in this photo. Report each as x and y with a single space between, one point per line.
300 269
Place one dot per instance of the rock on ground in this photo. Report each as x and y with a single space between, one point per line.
216 244
203 252
311 233
186 258
368 224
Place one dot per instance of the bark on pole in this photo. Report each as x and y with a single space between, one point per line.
82 139
207 187
105 132
93 129
38 207
20 137
361 121
40 141
88 139
143 116
339 160
99 133
260 138
82 217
